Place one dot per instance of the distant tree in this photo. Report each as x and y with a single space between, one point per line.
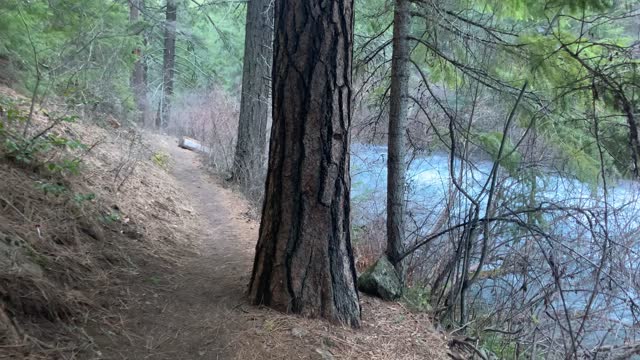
139 73
304 262
397 127
169 63
248 165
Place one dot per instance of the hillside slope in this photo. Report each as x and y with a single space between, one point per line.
75 223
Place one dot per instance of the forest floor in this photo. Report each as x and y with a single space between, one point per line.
188 313
199 311
155 264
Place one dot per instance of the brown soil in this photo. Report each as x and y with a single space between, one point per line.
198 310
186 312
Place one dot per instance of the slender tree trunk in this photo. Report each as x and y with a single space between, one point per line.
146 113
138 76
634 141
248 165
304 261
397 125
168 70
159 114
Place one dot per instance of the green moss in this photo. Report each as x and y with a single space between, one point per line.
381 280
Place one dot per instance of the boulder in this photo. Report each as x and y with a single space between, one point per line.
381 280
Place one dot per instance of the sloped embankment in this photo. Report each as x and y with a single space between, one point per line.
82 207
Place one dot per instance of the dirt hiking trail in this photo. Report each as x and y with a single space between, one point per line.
198 309
188 313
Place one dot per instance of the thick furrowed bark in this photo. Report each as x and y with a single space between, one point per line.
304 261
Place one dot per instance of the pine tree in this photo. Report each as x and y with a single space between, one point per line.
169 64
304 262
397 127
249 158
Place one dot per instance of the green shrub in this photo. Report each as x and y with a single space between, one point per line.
161 159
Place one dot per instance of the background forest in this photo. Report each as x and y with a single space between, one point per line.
519 145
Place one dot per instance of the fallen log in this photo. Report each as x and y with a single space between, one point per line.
192 144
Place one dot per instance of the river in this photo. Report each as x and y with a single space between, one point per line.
578 234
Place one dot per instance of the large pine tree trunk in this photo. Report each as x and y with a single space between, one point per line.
249 159
304 261
397 126
168 69
138 76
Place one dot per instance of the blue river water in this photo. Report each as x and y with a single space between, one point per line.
429 185
429 189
